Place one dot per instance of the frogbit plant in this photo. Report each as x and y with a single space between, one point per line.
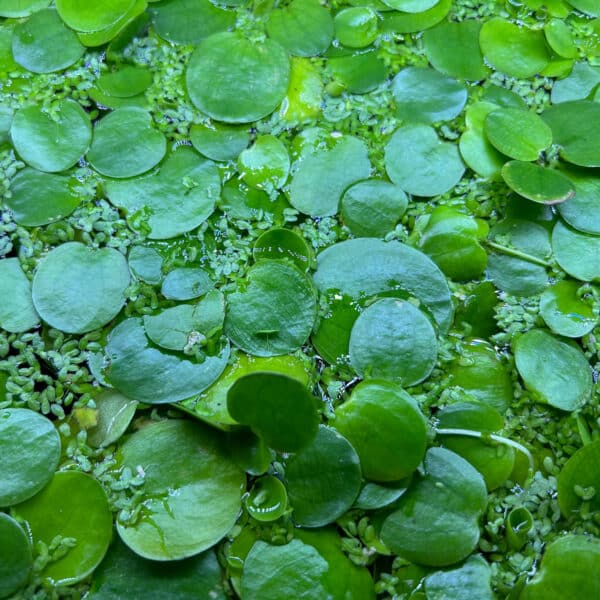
298 299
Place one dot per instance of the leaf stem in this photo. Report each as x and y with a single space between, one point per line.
517 254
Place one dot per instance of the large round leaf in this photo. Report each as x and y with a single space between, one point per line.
394 340
385 426
15 556
274 312
366 267
73 505
17 312
278 408
579 473
576 252
436 523
565 311
420 163
51 141
583 210
178 197
323 479
253 77
29 454
77 289
144 373
555 371
537 183
192 490
87 17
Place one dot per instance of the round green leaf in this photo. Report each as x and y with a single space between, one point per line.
357 73
331 336
17 312
303 27
29 454
378 495
21 8
51 141
265 165
420 163
589 7
219 141
371 208
580 83
295 570
83 16
145 263
124 574
366 267
192 496
582 212
43 44
356 27
77 289
560 39
274 312
126 144
394 340
318 183
178 197
114 414
411 6
565 311
554 371
519 134
576 252
425 96
323 479
126 82
383 423
471 581
283 243
453 48
514 50
15 556
537 183
279 409
39 198
267 500
406 22
568 570
436 523
144 373
186 283
253 77
72 505
189 21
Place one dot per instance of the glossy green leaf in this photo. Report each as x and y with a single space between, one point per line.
250 453
331 336
73 505
520 134
303 27
568 570
43 44
253 77
267 500
515 51
406 22
420 163
123 573
471 581
357 73
583 210
17 312
554 371
453 48
30 450
16 558
560 39
536 183
189 21
565 311
424 95
83 16
73 271
356 27
265 165
588 7
274 312
219 141
383 423
576 252
145 263
371 208
318 185
451 490
39 198
366 267
126 82
144 373
411 6
379 495
186 283
323 479
192 497
114 414
51 141
576 129
280 243
125 144
394 340
279 409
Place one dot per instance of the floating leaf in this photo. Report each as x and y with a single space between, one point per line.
17 312
21 8
114 414
82 16
16 558
583 210
406 22
536 183
356 27
471 581
576 252
283 243
219 141
267 500
565 311
192 497
266 164
145 263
